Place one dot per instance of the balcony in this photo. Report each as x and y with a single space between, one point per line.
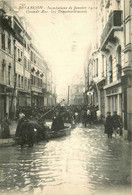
20 39
113 24
36 89
6 23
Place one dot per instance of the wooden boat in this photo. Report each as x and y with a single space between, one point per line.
50 134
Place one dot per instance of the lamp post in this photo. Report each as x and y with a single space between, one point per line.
90 95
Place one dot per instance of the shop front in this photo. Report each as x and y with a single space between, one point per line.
6 97
23 99
2 103
37 99
114 99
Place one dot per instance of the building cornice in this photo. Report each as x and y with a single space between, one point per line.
116 83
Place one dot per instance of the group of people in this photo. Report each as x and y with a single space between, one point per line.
29 130
88 115
113 124
63 114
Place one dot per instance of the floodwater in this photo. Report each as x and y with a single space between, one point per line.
84 163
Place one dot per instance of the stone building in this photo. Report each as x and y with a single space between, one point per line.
22 64
127 68
109 65
37 74
76 90
7 45
24 75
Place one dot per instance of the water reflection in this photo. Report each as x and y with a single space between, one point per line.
84 163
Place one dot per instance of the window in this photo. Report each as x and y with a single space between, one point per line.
22 81
110 70
28 65
31 79
28 84
25 83
119 55
9 74
28 47
18 80
96 66
9 45
118 65
102 65
31 56
3 40
18 54
25 63
34 58
21 54
3 72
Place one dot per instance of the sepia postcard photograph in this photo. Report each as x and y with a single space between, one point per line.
65 97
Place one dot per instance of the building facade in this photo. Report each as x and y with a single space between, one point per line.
7 45
24 75
109 65
127 68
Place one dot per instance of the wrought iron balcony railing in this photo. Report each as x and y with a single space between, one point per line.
114 23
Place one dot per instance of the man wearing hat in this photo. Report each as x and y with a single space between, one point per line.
109 125
117 123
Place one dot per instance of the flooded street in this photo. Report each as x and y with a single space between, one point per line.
84 163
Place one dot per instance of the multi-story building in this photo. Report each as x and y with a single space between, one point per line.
76 91
111 46
25 79
37 74
110 60
7 45
22 64
127 68
76 94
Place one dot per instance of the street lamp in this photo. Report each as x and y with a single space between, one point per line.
90 94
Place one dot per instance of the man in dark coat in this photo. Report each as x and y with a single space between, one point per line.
109 125
58 122
5 127
20 121
117 123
